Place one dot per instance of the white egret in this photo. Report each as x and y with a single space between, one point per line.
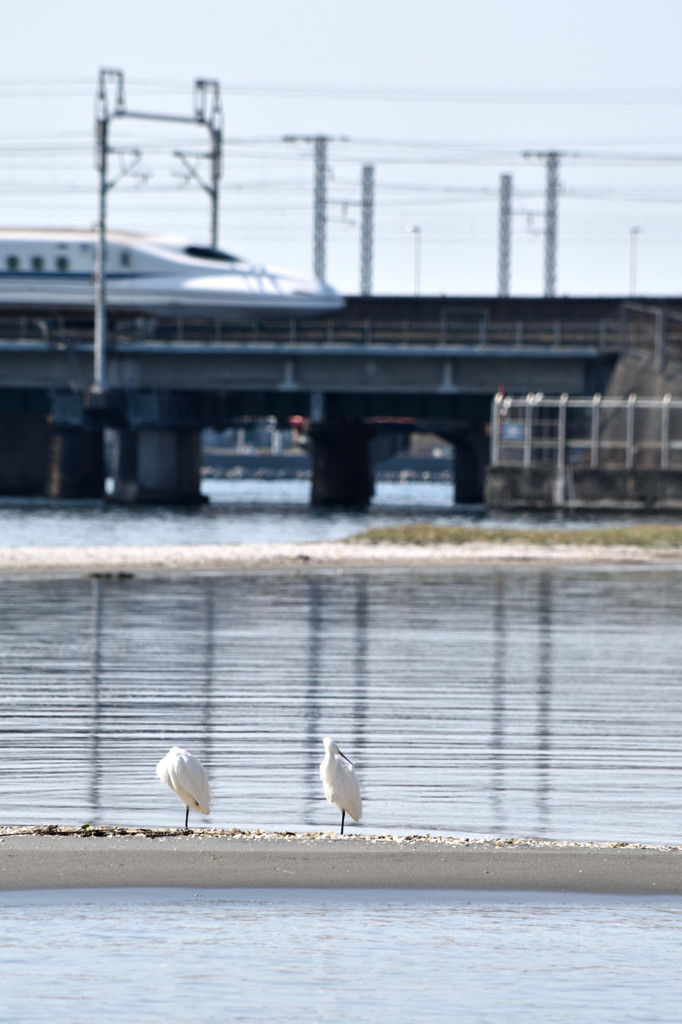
340 781
187 777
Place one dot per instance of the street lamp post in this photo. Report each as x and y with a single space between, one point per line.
415 230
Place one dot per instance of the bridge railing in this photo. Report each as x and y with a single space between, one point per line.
606 335
599 336
592 432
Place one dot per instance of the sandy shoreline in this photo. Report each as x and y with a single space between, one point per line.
235 859
83 560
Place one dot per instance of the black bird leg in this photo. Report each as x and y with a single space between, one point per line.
186 818
343 815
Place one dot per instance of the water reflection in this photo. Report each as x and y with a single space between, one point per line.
479 700
94 726
544 676
360 663
539 663
206 755
313 713
336 700
497 703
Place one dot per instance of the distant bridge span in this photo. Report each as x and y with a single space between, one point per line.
435 360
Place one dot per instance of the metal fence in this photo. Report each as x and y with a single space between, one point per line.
591 432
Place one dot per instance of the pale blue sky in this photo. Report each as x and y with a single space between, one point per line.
467 79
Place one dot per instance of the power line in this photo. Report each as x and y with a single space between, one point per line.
537 95
506 96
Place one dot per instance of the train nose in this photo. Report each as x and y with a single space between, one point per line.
324 294
332 297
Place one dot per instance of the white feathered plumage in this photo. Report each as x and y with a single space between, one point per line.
187 777
340 781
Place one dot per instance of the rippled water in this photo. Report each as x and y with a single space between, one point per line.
149 956
479 701
253 512
239 512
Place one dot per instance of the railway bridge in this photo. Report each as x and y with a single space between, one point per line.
360 381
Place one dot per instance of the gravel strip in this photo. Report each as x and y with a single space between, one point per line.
261 835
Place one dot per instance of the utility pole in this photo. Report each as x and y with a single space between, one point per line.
207 112
551 158
99 372
367 230
109 79
551 213
320 197
320 216
504 241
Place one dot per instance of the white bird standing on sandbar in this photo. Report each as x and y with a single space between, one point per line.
340 781
187 777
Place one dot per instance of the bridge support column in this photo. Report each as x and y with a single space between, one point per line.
342 472
157 466
75 467
24 446
472 454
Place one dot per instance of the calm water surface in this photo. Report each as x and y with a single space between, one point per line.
177 955
525 701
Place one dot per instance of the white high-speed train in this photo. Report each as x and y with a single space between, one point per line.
152 274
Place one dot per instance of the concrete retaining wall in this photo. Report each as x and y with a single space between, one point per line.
546 488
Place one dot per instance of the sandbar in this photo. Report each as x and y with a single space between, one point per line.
171 559
63 858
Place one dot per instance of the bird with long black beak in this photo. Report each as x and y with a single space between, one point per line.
340 781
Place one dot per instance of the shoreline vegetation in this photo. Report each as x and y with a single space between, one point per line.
645 535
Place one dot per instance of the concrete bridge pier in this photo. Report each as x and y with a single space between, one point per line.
342 470
472 454
157 466
75 463
24 453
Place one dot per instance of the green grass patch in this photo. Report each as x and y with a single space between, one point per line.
644 536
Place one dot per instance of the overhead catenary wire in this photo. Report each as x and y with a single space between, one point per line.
267 190
540 95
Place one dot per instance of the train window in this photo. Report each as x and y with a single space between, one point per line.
125 259
210 254
13 263
62 263
37 262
